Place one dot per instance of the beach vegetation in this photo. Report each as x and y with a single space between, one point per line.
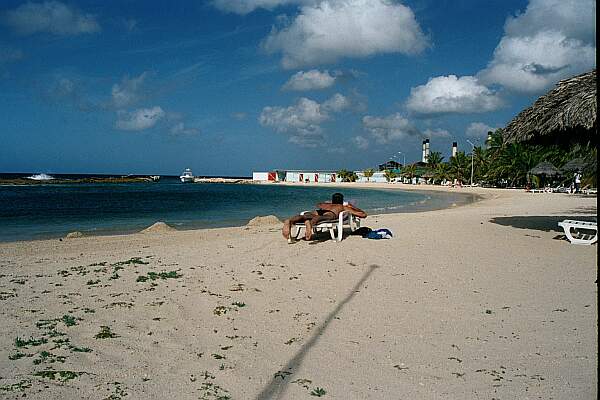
152 276
58 375
211 391
318 392
13 387
238 304
18 355
29 342
105 333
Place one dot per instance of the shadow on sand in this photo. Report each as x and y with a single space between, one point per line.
278 384
546 223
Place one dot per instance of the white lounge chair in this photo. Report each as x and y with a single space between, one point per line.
334 226
583 238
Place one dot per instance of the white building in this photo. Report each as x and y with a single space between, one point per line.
377 177
295 176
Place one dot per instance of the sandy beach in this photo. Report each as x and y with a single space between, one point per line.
484 301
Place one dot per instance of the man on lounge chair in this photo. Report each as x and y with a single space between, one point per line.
324 212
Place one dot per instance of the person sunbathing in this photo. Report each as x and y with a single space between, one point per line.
324 212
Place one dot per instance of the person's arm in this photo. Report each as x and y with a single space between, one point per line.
355 211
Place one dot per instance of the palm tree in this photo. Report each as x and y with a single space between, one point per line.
347 176
480 161
389 175
460 166
441 172
409 171
368 173
435 157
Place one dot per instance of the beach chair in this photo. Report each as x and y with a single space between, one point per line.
334 226
577 226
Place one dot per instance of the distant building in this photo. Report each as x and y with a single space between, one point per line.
390 165
295 176
377 177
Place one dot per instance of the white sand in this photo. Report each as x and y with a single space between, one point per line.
477 302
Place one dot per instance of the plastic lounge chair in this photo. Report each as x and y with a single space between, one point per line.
578 226
334 226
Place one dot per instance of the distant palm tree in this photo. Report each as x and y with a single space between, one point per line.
441 172
347 176
409 171
460 166
435 158
389 175
368 173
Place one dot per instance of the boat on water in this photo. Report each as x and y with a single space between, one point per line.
187 176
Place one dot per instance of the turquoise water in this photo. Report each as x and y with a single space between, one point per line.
51 211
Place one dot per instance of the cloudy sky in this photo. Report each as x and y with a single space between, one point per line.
226 87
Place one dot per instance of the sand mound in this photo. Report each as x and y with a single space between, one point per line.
267 220
158 227
74 235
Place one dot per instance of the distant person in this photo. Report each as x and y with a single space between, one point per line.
577 181
324 212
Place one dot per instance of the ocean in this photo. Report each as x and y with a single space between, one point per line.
46 211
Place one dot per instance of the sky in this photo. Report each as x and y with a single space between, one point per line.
227 87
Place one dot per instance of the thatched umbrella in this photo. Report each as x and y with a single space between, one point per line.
544 168
569 107
576 164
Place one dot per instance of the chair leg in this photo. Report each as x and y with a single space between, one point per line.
575 240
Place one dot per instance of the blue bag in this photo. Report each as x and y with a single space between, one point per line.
379 234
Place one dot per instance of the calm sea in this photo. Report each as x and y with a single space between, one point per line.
53 210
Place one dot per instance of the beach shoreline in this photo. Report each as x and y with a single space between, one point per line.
480 301
92 230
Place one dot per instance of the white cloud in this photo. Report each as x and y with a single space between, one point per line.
309 80
390 128
450 94
436 133
478 130
333 29
574 18
139 119
302 121
127 92
180 129
552 40
336 103
361 142
52 17
247 6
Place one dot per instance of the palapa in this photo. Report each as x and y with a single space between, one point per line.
545 168
576 164
570 106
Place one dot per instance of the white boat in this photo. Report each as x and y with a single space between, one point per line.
187 176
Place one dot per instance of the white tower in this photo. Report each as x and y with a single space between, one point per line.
426 150
454 149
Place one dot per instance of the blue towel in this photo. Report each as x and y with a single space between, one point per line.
380 234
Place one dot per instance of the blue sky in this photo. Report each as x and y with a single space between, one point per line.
227 87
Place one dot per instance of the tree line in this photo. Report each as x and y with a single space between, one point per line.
499 164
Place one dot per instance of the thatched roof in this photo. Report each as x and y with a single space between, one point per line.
570 106
544 168
575 165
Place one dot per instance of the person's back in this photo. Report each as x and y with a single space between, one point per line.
325 211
